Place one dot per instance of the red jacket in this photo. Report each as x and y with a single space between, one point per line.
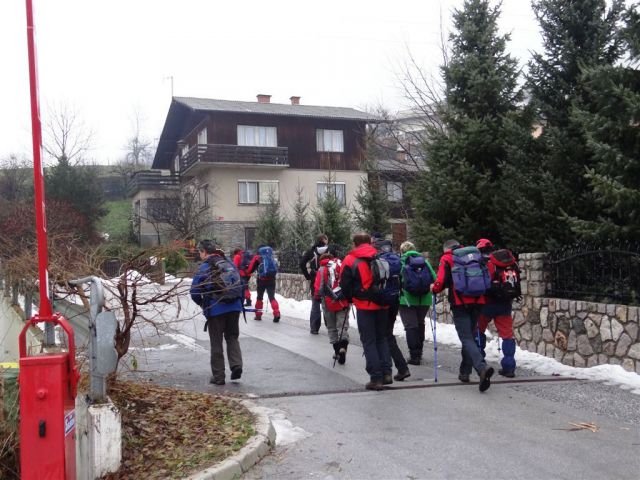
237 261
444 280
364 251
322 285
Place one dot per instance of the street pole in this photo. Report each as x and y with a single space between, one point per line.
38 180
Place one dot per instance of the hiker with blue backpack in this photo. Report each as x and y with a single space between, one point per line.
391 300
417 275
217 289
266 268
505 287
242 259
361 281
463 271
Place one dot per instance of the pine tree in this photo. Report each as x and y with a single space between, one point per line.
270 224
454 197
332 219
577 35
299 229
610 122
371 214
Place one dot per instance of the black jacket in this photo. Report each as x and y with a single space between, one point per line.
310 261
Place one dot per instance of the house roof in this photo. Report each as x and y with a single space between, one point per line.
311 111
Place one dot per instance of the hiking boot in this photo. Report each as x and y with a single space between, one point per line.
485 379
342 355
387 379
414 361
276 319
336 350
216 382
374 386
400 376
314 332
257 318
464 377
247 303
236 373
506 373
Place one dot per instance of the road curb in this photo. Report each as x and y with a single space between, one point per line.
256 447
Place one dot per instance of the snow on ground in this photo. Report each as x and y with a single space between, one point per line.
446 334
286 432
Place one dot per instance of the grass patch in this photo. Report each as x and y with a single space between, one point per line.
170 433
116 221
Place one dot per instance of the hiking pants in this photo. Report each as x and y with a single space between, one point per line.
396 354
225 325
334 322
413 319
372 326
270 288
245 285
465 319
315 318
504 325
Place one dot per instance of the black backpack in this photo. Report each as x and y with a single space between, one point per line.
224 284
505 284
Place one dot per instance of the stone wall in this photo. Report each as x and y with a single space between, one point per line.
290 285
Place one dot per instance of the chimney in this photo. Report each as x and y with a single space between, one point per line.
295 100
262 98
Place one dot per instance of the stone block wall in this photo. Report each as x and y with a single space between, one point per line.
290 285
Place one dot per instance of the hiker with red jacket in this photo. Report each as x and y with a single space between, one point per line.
505 286
463 272
335 308
267 268
241 259
358 285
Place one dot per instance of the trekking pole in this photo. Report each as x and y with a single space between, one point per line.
435 344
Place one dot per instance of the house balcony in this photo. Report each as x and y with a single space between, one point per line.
152 180
200 156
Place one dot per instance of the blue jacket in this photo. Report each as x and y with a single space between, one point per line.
210 306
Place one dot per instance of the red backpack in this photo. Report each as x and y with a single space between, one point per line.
505 283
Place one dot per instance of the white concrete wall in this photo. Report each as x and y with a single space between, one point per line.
98 439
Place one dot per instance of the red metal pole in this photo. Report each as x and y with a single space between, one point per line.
38 180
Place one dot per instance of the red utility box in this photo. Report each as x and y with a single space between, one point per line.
47 409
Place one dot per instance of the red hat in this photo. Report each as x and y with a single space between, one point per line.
484 243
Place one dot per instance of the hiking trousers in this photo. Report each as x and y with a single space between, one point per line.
224 326
315 318
372 326
394 351
413 319
465 319
270 288
334 322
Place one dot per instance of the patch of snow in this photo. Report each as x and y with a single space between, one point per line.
286 432
164 346
188 342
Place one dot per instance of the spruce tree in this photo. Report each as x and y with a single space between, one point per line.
609 118
299 229
371 214
270 224
332 219
454 196
577 35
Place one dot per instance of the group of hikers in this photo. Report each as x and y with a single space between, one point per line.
482 281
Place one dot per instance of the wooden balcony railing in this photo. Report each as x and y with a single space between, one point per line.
151 179
234 154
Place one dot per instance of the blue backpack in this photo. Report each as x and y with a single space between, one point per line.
469 274
224 283
245 259
416 276
268 266
391 287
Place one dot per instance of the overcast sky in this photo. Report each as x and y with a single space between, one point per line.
109 59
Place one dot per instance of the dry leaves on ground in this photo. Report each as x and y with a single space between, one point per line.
170 433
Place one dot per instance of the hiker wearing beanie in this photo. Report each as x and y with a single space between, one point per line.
309 265
335 308
415 299
463 272
359 287
391 293
505 287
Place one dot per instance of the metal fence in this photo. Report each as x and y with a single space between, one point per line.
289 259
608 274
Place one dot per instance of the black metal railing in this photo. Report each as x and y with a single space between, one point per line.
289 258
234 154
151 179
608 274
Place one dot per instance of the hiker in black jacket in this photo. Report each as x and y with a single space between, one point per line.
309 264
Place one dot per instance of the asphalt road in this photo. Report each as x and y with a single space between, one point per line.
414 429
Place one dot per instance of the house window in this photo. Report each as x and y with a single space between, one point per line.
257 191
176 164
250 136
329 141
203 196
394 191
202 137
338 189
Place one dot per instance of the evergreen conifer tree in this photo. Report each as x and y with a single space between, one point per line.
332 219
371 214
454 196
299 232
270 224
